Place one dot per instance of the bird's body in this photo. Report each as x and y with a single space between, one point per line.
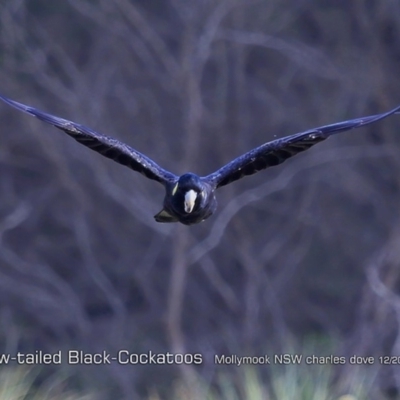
190 199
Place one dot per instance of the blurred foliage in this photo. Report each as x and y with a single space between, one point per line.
289 383
309 248
21 384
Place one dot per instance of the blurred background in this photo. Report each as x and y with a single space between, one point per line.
299 259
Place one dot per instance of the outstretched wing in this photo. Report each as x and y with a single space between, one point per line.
105 145
279 150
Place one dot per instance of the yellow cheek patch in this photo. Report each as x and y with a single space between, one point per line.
175 189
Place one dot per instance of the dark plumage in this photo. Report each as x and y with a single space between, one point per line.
189 198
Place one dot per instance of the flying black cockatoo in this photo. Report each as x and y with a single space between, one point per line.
190 198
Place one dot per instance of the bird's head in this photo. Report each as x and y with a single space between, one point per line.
188 193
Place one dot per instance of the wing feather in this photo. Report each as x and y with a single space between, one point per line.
279 150
105 145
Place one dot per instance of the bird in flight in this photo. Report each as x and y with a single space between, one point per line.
189 198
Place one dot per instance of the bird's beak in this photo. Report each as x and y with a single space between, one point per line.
190 199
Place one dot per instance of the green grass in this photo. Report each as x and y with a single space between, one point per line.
292 382
22 384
